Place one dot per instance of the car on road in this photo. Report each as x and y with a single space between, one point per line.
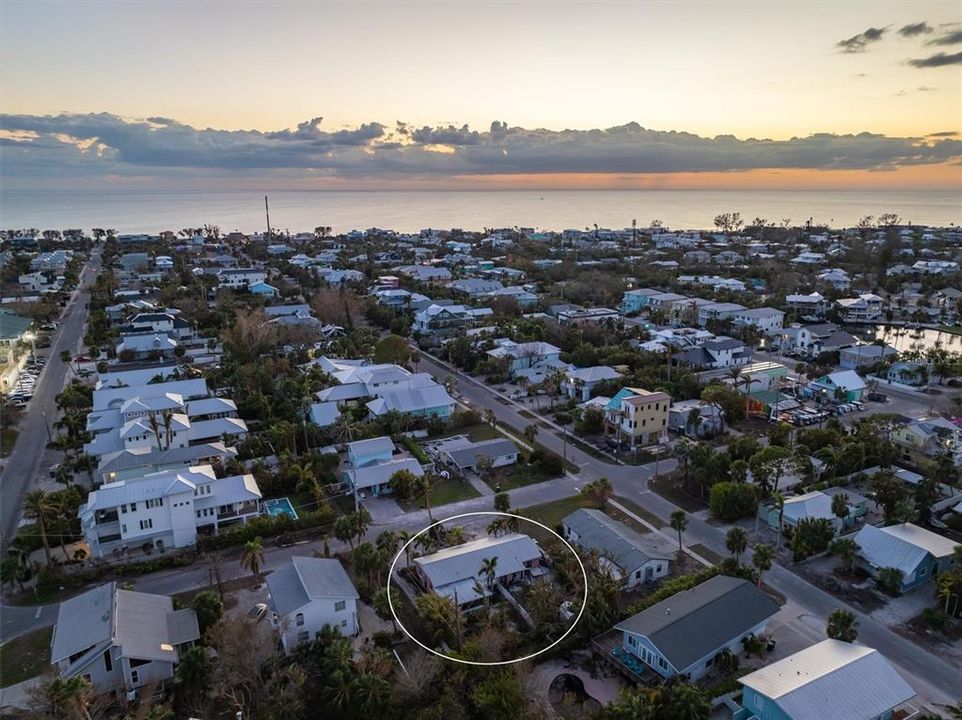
878 397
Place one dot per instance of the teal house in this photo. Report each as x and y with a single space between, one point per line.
831 680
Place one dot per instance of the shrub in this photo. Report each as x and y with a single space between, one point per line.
268 526
730 501
415 449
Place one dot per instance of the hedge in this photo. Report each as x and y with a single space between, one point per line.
415 449
52 578
267 526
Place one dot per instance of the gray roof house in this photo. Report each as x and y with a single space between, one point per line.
918 553
454 571
120 639
682 634
831 680
464 456
308 594
626 553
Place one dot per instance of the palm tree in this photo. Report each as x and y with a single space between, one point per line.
489 571
779 501
840 506
737 542
679 521
345 427
842 625
847 551
530 433
383 608
600 491
362 521
253 557
424 486
366 559
344 530
41 507
762 559
404 538
682 453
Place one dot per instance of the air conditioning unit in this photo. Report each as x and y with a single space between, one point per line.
131 695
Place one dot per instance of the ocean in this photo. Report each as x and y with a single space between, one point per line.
141 211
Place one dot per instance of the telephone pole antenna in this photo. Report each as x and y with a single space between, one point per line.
267 210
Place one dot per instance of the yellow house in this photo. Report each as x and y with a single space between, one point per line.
639 416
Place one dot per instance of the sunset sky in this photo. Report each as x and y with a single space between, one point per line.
854 95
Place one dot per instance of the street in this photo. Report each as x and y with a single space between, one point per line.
23 465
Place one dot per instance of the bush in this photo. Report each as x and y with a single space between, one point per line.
547 462
415 449
730 501
935 617
268 526
382 639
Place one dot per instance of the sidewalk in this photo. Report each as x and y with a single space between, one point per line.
18 695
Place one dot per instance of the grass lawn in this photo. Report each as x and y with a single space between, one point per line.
444 492
707 553
669 486
551 513
8 438
477 433
515 476
641 512
25 657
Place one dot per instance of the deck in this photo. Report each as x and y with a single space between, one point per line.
609 645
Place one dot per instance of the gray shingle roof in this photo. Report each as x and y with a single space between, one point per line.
462 562
305 579
468 456
695 623
609 537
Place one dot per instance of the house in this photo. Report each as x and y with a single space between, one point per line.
852 358
835 278
814 505
419 396
137 462
912 374
146 347
13 329
581 382
696 418
425 273
309 594
722 352
324 414
523 356
639 416
238 278
857 504
42 281
831 680
447 320
864 308
164 510
475 287
263 289
372 450
682 634
922 440
455 572
768 320
718 311
579 316
121 640
812 305
843 386
919 554
372 463
633 301
623 552
464 454
522 297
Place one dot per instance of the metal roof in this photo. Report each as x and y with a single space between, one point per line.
695 623
306 578
611 538
379 473
468 455
462 562
901 546
832 680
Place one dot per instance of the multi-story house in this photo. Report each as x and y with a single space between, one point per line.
864 308
121 640
718 311
166 509
768 320
240 278
721 352
639 417
308 595
633 301
813 305
444 321
579 383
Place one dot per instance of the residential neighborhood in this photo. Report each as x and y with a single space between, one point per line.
333 464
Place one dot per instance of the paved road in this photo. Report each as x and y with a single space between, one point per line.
23 464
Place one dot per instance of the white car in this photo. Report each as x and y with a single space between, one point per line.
258 611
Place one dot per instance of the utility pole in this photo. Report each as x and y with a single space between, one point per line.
634 233
267 211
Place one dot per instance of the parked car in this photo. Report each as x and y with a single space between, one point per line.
878 397
258 611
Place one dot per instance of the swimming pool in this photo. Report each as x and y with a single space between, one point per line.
280 506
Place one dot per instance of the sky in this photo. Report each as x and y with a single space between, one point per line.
481 94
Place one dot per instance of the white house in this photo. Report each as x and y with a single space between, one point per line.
237 278
522 356
864 308
165 509
768 320
624 553
309 594
121 640
581 382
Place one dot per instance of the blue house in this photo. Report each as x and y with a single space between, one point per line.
633 301
831 680
419 397
264 289
918 553
683 634
366 452
843 386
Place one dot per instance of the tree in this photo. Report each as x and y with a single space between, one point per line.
383 608
737 542
840 506
811 536
890 580
731 501
366 560
530 433
889 493
193 673
842 625
679 521
41 507
344 530
502 503
770 465
440 617
600 491
253 557
361 520
762 559
483 465
423 487
392 349
65 698
209 608
402 483
847 551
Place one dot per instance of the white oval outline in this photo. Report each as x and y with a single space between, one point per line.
390 574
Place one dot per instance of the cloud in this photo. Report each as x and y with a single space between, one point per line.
937 60
926 88
102 145
913 29
943 133
859 43
950 38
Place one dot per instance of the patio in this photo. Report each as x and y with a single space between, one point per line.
609 645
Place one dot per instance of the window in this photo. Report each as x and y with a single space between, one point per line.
299 619
662 663
303 636
922 572
108 663
134 677
123 509
155 502
632 641
146 524
343 623
137 662
86 676
133 507
123 528
637 574
339 605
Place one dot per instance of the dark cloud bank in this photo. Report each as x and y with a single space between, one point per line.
78 145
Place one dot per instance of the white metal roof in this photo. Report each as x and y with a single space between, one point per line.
832 680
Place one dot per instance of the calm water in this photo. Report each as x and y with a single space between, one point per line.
151 211
910 339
